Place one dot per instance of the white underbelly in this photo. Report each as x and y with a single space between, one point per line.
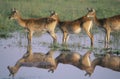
77 30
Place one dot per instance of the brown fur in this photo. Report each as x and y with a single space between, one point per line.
107 61
46 24
109 24
75 26
38 60
75 59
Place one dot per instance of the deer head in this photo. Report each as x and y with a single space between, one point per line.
54 15
14 14
91 12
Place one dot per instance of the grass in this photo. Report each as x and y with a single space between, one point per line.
67 10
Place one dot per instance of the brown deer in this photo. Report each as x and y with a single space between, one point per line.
39 60
75 59
108 24
46 24
75 27
108 61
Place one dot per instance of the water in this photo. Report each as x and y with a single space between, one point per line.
12 49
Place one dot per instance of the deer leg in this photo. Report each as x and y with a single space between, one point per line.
53 36
107 39
90 36
29 37
65 38
29 51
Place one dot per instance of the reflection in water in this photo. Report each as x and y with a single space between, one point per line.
109 61
11 51
75 59
38 60
47 61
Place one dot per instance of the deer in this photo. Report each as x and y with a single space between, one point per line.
45 24
110 24
75 26
34 59
75 59
109 61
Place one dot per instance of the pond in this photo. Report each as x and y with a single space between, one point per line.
12 49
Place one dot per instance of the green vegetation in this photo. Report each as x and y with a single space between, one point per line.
67 10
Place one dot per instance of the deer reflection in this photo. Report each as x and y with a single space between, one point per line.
75 59
39 60
107 61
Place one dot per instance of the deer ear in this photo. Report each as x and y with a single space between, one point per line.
55 13
52 12
13 9
93 10
89 9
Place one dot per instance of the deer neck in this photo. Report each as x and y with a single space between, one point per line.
57 18
21 22
17 66
97 21
96 62
56 61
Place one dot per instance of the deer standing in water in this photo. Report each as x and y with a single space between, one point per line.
39 60
108 24
46 24
108 61
75 27
75 59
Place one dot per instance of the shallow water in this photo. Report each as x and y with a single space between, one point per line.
12 49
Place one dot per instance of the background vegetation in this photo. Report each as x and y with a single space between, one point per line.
67 10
